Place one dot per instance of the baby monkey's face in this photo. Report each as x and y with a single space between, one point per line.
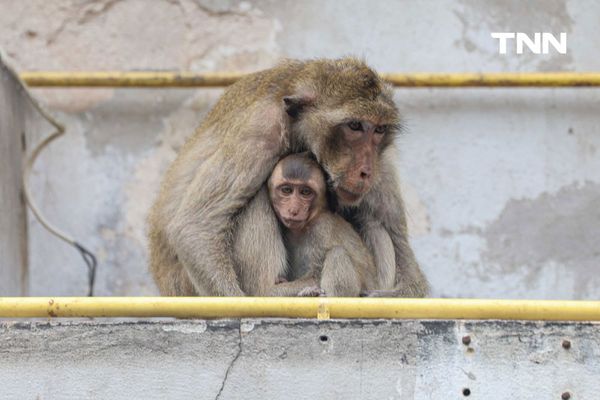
297 191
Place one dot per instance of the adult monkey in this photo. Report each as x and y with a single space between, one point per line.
343 113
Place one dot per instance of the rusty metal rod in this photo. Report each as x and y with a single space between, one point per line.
220 79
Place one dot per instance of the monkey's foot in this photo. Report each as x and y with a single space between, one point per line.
311 291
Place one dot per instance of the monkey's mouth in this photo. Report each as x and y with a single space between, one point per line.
346 196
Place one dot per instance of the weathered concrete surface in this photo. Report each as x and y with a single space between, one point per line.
13 226
300 359
501 185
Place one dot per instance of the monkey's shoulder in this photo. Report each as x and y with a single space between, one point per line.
269 85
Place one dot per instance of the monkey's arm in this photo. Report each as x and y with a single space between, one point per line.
339 277
379 242
202 227
312 254
384 207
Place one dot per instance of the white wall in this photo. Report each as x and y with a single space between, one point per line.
502 185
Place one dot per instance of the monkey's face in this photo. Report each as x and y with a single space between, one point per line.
352 161
345 115
297 197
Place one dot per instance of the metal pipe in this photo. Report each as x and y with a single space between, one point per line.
219 79
129 79
500 79
294 307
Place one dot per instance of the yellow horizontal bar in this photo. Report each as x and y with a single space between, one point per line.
219 79
500 79
294 307
129 79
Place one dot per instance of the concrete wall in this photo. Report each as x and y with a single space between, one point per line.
13 224
276 359
502 185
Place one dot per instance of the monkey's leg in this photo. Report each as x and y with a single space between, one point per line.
170 276
178 283
259 251
339 277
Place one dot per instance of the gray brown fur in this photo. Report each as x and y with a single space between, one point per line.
297 168
333 254
325 250
211 229
381 221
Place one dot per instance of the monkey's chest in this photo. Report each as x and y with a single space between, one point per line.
303 258
297 261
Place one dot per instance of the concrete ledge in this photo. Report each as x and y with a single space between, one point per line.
304 359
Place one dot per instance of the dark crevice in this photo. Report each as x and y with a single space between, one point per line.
231 364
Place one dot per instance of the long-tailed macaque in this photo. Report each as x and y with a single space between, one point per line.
326 255
212 230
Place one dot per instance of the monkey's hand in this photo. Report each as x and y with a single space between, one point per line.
280 279
311 291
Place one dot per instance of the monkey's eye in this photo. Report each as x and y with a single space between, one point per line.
286 189
380 129
305 191
355 125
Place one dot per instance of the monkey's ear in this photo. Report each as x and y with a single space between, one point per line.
295 104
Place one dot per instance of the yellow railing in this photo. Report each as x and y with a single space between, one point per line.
219 79
247 307
294 307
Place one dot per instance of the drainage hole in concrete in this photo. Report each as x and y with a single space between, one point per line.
466 392
323 338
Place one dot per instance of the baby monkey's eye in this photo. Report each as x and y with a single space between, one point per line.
306 191
286 189
355 125
380 129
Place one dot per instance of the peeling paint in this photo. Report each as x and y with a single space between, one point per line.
563 228
246 326
196 327
132 120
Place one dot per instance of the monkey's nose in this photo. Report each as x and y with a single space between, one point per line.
365 174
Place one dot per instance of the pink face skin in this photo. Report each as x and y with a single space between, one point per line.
296 202
363 139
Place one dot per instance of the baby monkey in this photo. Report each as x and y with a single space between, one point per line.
326 256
